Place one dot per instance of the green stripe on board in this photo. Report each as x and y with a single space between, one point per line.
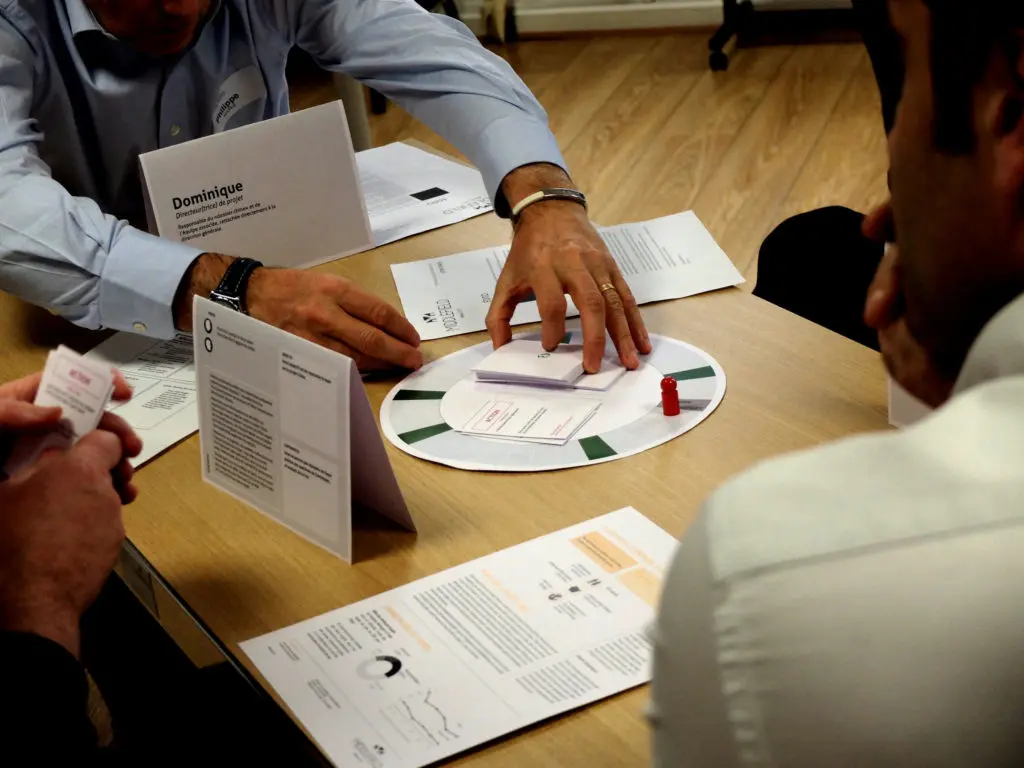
596 448
422 434
707 372
567 338
418 394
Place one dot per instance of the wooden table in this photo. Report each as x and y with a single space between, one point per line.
790 385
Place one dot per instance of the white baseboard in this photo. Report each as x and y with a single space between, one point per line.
600 18
670 14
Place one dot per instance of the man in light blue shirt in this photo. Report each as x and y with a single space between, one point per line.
87 85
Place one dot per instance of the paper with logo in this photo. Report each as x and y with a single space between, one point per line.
163 379
284 191
409 191
285 426
666 258
457 659
81 389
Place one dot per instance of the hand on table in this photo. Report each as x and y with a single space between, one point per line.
60 533
907 361
328 310
555 251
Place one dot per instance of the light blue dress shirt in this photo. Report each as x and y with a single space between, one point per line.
77 107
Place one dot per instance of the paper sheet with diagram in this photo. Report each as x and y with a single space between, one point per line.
666 258
476 652
163 406
409 191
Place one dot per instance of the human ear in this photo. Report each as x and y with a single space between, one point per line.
1007 124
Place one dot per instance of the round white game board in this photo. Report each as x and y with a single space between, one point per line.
420 415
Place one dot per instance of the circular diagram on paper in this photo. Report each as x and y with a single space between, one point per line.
422 414
379 668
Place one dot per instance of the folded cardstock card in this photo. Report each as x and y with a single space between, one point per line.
285 426
285 191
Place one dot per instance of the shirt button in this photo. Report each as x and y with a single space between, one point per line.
175 130
139 327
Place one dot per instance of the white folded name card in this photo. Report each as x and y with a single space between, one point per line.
285 191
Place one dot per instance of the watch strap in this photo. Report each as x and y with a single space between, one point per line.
234 285
552 193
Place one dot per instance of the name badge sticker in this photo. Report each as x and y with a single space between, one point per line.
239 90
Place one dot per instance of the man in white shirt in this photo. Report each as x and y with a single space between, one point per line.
862 604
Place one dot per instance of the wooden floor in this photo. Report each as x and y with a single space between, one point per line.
648 130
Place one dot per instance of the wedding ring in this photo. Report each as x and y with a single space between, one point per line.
605 287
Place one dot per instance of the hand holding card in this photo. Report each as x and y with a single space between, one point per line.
81 389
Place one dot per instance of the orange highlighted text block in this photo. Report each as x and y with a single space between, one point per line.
602 551
643 584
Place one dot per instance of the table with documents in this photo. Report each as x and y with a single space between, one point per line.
238 575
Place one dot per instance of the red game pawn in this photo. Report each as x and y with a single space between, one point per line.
670 396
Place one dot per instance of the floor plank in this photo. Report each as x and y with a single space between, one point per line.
688 150
604 153
740 203
848 165
594 78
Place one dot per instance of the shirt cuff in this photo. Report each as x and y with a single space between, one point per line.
511 143
139 281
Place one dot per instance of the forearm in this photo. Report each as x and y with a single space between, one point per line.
65 254
43 619
61 251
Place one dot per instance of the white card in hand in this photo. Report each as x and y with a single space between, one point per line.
526 362
531 419
81 388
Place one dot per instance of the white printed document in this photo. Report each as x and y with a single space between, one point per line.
81 389
666 258
163 379
409 191
452 661
285 426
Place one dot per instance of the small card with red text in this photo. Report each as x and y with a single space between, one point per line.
81 388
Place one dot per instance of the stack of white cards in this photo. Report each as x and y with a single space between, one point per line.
81 388
548 421
527 363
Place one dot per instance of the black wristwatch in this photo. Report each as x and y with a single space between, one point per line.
232 289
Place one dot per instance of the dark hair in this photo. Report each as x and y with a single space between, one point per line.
965 34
